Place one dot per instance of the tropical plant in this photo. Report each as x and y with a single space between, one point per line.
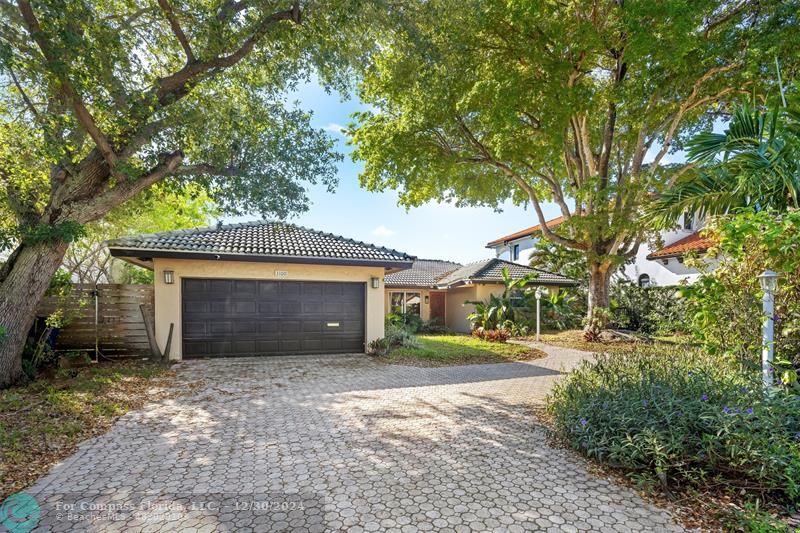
648 310
564 309
754 163
480 102
492 335
511 306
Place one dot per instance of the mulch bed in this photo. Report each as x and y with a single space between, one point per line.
44 421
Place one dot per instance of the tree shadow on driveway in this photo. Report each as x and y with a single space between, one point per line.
357 444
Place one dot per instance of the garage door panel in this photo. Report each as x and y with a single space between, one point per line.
244 307
268 288
289 288
269 308
244 287
193 287
246 327
290 326
219 327
290 345
194 328
249 317
269 326
244 346
312 326
290 308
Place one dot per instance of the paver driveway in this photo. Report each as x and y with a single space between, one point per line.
340 443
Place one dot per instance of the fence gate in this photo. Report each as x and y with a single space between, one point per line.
120 328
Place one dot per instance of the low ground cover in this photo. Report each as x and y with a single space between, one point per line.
445 350
683 419
574 338
44 421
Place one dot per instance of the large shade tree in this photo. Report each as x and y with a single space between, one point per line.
99 100
576 103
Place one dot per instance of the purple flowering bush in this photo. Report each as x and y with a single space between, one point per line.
682 418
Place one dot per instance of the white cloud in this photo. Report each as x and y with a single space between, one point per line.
383 231
333 127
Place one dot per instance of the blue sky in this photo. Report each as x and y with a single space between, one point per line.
432 231
435 231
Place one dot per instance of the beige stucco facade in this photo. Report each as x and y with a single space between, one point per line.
456 308
456 311
168 297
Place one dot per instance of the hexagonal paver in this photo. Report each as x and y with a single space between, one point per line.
340 443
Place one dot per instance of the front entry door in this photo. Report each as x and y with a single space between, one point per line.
437 306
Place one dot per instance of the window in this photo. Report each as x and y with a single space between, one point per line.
688 221
515 253
413 306
644 280
405 302
396 302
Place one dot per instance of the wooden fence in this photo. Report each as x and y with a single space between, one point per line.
120 328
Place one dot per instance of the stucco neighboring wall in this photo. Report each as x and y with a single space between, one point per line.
168 297
457 311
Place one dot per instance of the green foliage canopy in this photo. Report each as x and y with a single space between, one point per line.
577 103
100 100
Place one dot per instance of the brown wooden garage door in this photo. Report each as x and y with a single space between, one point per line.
223 317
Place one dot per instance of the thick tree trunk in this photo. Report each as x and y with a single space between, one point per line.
599 285
20 294
596 316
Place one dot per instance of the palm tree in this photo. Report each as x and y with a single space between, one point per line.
755 163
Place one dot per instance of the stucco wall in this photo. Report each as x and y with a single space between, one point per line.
168 297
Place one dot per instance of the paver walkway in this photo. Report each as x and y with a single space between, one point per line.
341 443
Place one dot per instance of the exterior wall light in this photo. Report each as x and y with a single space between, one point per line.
376 283
427 299
169 277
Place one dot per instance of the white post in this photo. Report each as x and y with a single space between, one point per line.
769 282
538 312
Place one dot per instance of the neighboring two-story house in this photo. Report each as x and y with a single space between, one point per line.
662 266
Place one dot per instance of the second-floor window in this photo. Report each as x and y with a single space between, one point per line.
515 252
688 221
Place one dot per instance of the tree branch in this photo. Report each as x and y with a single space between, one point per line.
176 85
177 30
81 112
208 170
122 191
691 102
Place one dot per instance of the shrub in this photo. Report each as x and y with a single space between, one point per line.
725 302
492 335
378 347
410 321
683 418
648 310
399 336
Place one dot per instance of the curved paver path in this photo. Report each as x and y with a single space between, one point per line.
338 443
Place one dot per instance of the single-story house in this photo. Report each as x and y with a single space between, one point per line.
440 289
274 288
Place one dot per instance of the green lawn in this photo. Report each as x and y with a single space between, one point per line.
445 350
44 421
